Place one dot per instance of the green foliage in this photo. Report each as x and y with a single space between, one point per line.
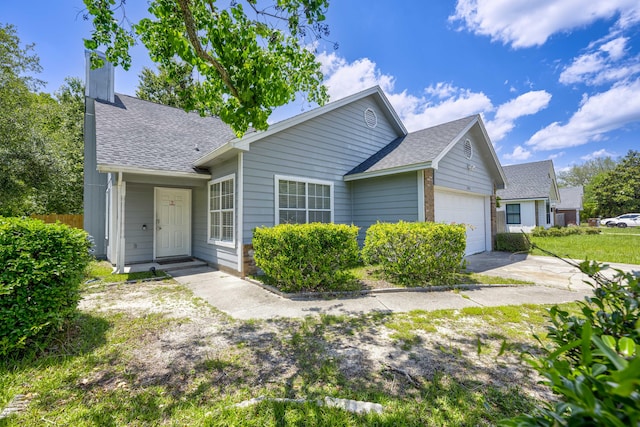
251 58
582 174
593 361
416 253
41 154
563 231
307 257
617 191
512 242
42 269
170 86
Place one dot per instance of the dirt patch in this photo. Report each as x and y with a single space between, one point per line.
192 339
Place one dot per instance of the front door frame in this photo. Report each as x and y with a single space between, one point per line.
188 192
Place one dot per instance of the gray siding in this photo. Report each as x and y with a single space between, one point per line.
324 148
454 171
215 254
95 184
139 207
385 199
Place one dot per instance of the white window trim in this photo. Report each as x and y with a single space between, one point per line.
276 194
228 244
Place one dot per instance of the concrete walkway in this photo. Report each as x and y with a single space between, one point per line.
556 282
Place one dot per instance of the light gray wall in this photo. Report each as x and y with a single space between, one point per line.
215 254
95 184
324 148
385 199
138 207
454 171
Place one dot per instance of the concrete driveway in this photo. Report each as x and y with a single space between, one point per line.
556 282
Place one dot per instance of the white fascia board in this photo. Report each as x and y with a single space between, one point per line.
385 172
154 172
453 142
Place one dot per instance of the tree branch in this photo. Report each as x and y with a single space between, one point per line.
203 54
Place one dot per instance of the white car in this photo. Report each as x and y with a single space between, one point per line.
622 221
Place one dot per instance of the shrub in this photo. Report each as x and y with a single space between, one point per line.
512 242
42 269
306 257
562 231
416 253
593 360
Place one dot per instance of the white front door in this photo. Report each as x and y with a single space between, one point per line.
173 222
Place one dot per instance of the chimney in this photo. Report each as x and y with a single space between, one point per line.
99 83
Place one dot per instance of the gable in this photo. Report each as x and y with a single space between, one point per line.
535 180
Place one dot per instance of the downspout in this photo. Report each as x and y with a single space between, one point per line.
122 189
240 213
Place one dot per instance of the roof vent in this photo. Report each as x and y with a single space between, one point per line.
370 118
468 149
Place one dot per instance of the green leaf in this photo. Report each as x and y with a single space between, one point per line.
610 353
627 346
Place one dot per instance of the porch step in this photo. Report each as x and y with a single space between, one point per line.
182 265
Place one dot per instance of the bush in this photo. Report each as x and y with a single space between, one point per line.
512 242
562 231
307 257
416 253
593 360
42 269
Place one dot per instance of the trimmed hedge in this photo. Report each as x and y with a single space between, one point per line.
416 253
562 231
307 257
512 242
42 269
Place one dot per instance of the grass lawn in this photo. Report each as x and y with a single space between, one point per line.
612 245
151 354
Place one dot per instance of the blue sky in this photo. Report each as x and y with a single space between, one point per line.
553 79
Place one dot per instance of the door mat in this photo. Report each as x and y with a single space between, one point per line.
174 260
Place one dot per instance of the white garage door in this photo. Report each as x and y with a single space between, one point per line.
466 209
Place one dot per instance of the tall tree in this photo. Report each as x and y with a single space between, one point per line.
583 173
618 191
24 167
251 55
170 86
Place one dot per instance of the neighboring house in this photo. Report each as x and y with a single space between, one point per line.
163 183
530 198
568 210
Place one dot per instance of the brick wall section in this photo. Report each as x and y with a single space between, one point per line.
248 263
429 197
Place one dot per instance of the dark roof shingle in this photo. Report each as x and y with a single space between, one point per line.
527 181
136 133
415 148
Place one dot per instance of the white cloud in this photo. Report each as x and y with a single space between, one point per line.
524 105
596 154
556 155
597 115
439 102
526 23
519 153
602 64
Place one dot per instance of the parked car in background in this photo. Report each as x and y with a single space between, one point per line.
622 221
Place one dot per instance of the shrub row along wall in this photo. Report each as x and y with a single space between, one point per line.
42 269
416 253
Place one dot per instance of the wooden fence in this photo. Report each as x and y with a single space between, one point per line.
72 220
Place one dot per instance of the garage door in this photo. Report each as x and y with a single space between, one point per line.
466 209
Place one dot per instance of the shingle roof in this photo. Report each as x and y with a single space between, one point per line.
527 181
570 198
415 148
136 133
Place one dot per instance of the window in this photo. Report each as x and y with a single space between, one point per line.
548 209
222 209
300 200
513 213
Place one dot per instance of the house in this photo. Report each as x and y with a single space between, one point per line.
530 199
568 210
162 183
